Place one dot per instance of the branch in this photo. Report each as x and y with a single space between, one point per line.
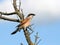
38 42
14 5
7 13
29 27
36 39
9 19
17 10
22 13
19 4
31 30
27 36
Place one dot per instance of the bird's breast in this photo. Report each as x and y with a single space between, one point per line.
27 24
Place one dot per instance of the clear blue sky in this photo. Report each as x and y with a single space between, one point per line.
1 1
49 33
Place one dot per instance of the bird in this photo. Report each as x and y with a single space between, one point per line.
24 23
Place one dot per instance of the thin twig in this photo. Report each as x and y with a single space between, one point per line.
31 30
19 4
38 42
36 38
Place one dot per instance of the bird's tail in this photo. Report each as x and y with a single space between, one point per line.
15 31
18 25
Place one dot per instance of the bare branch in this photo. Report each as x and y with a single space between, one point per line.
17 10
38 42
9 19
36 38
22 12
7 13
14 5
26 33
19 4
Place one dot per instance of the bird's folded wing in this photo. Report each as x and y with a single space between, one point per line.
23 22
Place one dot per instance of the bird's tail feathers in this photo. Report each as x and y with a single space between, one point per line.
15 31
18 25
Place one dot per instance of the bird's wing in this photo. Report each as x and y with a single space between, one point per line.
23 22
15 31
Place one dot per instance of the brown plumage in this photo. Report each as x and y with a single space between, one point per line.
24 24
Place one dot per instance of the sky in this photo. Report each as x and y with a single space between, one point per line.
46 22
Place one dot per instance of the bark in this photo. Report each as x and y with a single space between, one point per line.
9 19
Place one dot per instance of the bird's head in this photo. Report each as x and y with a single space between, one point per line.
31 15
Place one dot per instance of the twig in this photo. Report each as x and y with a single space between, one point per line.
19 4
38 42
31 30
22 12
36 38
